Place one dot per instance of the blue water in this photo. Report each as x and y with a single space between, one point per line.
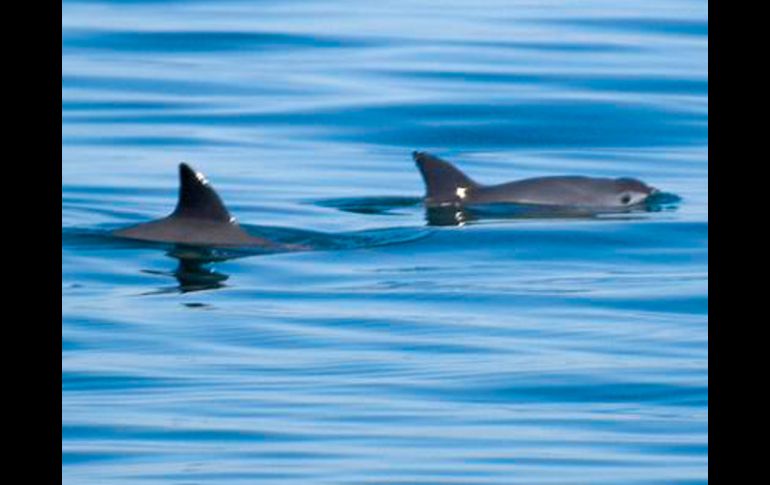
400 348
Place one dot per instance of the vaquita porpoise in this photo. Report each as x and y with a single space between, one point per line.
446 185
200 218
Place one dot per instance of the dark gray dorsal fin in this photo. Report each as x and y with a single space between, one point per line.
443 181
197 198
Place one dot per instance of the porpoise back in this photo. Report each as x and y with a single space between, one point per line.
446 185
200 218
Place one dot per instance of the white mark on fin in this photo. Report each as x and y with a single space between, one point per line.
461 192
201 178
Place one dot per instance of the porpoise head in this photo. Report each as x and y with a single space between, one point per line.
630 192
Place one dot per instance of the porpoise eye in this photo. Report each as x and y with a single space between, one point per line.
625 199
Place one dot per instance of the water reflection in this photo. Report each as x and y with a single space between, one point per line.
193 271
461 215
458 216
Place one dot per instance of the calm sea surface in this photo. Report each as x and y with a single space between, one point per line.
401 349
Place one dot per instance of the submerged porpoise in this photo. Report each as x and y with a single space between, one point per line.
200 218
446 185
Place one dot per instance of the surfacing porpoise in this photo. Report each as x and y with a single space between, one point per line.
200 218
446 186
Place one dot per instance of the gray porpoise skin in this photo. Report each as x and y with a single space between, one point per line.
200 218
446 185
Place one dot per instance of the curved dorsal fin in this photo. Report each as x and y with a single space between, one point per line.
442 179
197 198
